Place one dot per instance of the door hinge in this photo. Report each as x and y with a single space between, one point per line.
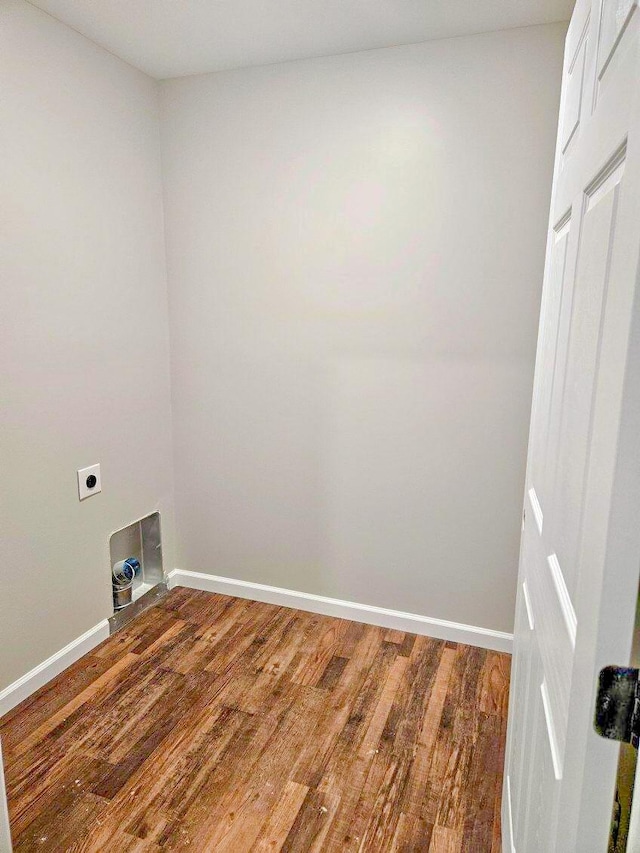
618 704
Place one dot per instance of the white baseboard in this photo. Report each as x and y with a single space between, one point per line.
441 629
412 622
48 669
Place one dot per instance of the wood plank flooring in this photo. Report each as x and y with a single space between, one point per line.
218 724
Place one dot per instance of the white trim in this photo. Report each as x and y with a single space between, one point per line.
551 732
48 669
486 638
568 613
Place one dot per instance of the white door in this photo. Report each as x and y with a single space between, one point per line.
5 831
580 552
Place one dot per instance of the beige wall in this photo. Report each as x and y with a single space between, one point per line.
83 337
355 254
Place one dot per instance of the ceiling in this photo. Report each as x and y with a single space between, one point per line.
172 38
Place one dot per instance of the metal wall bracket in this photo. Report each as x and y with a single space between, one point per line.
122 617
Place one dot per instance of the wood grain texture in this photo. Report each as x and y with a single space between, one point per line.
218 724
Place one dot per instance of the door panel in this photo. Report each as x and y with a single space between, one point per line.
543 799
574 86
553 639
615 16
549 354
576 404
580 550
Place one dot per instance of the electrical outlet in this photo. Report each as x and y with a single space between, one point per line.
89 481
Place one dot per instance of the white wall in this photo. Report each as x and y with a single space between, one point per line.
355 249
355 253
84 336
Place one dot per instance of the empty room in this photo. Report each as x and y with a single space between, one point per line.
320 406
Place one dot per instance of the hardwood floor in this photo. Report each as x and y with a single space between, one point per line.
218 724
